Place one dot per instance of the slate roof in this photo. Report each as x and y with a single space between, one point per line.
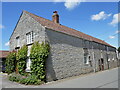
61 28
4 54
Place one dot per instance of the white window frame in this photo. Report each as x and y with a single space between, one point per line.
113 58
28 61
108 57
86 57
29 37
101 54
18 41
28 64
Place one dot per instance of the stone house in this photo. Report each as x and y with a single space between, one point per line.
72 52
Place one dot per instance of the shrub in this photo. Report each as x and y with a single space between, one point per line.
30 80
14 77
10 62
21 59
39 53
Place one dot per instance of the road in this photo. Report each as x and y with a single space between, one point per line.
104 79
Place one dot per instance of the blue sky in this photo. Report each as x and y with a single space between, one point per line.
97 19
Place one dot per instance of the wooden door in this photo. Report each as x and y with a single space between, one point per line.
102 63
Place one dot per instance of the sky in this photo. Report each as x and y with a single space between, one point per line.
98 19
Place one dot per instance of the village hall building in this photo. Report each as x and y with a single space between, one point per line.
72 52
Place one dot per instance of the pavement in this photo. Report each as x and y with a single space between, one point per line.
103 79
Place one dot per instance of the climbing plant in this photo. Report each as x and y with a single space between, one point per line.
10 62
38 55
21 59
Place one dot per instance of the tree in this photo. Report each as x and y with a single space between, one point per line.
21 59
10 62
38 55
119 50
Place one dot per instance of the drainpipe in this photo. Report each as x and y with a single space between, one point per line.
94 64
108 58
117 54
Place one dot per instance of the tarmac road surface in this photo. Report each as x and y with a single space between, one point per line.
104 79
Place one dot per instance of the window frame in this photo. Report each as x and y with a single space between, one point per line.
29 37
86 56
28 60
18 41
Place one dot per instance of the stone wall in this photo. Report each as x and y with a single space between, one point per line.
25 25
66 57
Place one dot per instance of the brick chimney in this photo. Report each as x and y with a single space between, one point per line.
55 17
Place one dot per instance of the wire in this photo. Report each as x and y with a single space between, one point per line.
111 35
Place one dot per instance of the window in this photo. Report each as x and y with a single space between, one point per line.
90 62
17 41
86 59
29 37
101 54
28 61
28 64
108 59
108 56
113 58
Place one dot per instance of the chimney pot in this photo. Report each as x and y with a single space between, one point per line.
55 17
55 12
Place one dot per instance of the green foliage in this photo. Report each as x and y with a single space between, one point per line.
10 62
21 59
14 77
119 49
39 53
30 80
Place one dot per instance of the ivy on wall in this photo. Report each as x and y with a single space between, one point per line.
38 55
10 62
21 59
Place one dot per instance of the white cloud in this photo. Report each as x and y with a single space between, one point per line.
118 31
111 37
70 4
115 19
100 16
1 26
7 44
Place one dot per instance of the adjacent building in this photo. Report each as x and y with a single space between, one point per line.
72 52
3 55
